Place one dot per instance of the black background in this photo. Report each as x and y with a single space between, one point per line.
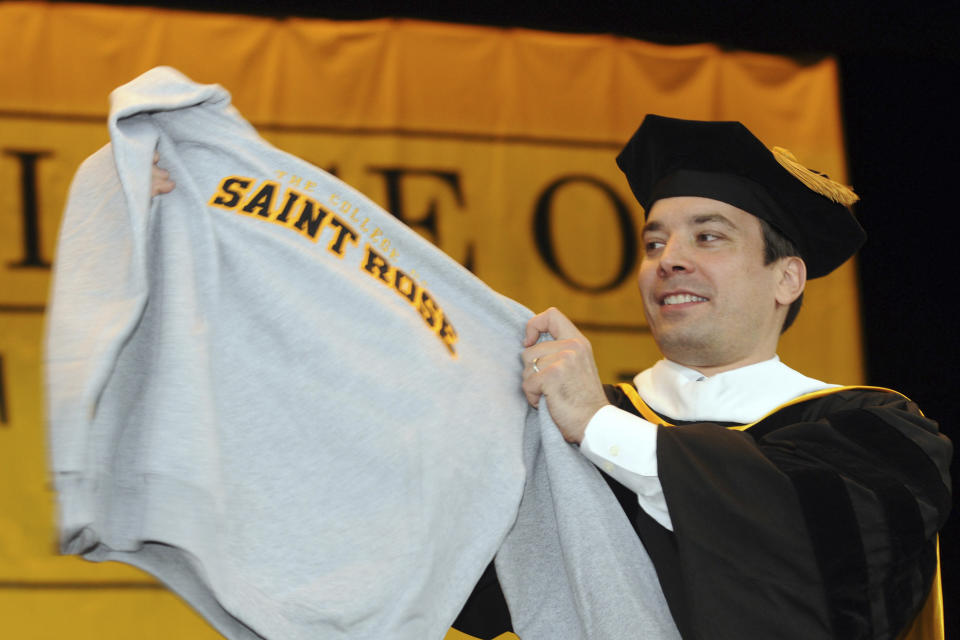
899 72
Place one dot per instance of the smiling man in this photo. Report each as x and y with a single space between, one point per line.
772 504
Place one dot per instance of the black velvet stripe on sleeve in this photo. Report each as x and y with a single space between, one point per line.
881 498
900 453
899 462
885 477
857 466
897 581
906 592
835 536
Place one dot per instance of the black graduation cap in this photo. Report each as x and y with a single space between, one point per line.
669 157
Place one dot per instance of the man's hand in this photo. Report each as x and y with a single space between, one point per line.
160 181
562 370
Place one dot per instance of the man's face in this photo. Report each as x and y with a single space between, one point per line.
709 299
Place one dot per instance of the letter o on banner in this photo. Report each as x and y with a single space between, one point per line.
542 222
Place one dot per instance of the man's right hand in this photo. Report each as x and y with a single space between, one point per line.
160 181
563 370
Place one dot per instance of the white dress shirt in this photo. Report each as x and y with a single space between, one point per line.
625 445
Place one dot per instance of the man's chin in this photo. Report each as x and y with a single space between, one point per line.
679 343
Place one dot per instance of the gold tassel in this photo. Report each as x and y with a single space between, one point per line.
818 182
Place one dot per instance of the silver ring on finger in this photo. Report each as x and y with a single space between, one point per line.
536 369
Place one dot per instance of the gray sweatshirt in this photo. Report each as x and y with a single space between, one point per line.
297 413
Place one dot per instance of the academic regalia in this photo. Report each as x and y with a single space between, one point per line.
818 521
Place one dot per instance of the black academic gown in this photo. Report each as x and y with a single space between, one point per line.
818 521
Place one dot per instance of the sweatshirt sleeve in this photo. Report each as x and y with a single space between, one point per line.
99 291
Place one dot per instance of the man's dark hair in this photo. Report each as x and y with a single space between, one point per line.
776 246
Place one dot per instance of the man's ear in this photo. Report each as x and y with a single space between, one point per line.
793 278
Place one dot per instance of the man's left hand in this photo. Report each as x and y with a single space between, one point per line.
562 370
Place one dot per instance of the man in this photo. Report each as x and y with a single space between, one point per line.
772 504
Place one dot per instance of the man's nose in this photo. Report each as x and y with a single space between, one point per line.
674 258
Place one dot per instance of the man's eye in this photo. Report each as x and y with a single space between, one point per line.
707 237
652 245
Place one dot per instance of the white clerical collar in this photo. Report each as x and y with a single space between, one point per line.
740 395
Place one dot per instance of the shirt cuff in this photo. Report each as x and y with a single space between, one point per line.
625 447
